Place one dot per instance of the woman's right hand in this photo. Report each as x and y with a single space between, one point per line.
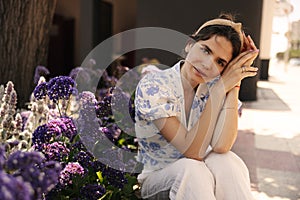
239 68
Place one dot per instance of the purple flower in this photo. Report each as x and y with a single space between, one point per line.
42 177
103 108
55 151
112 132
14 188
114 177
20 160
52 171
60 87
92 191
2 157
71 170
40 91
40 136
56 127
85 159
40 71
80 74
87 97
31 176
70 129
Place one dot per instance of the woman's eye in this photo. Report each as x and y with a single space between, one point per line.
221 63
205 51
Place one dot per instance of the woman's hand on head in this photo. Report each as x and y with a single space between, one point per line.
248 43
248 46
239 68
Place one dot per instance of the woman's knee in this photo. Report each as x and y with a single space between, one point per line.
226 163
193 169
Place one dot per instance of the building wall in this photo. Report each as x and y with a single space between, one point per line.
71 9
187 16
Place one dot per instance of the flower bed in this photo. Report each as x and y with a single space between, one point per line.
52 150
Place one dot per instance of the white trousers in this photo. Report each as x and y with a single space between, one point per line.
218 177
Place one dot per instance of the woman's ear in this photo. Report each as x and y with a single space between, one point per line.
188 47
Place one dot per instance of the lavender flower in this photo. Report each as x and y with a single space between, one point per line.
1 91
13 101
7 112
18 123
72 170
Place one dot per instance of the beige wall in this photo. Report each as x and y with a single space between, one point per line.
266 29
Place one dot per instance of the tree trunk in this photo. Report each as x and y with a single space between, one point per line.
24 35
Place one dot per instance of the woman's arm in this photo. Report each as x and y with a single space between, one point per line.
226 129
193 143
227 125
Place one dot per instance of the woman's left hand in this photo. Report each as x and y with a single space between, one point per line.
247 46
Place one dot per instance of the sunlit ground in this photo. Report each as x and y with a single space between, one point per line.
275 121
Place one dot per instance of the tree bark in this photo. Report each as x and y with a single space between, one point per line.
24 36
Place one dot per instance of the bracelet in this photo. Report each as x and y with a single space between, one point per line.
229 108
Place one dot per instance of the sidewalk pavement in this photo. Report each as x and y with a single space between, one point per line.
269 135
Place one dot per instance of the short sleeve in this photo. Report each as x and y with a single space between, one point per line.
155 99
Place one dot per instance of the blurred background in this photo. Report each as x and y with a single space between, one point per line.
72 28
273 24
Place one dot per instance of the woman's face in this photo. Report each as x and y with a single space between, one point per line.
206 59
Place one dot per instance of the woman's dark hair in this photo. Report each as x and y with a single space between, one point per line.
221 30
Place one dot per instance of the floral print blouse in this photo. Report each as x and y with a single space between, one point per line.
160 95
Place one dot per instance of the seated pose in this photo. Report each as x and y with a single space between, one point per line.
187 117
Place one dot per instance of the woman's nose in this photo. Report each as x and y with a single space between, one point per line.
207 64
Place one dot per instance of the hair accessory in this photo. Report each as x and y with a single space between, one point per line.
236 26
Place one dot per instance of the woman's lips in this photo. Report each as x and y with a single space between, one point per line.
199 72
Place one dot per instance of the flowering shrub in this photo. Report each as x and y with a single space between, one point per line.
46 151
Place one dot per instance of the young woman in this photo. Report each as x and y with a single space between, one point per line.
187 117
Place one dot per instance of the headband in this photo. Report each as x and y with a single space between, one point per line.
225 22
